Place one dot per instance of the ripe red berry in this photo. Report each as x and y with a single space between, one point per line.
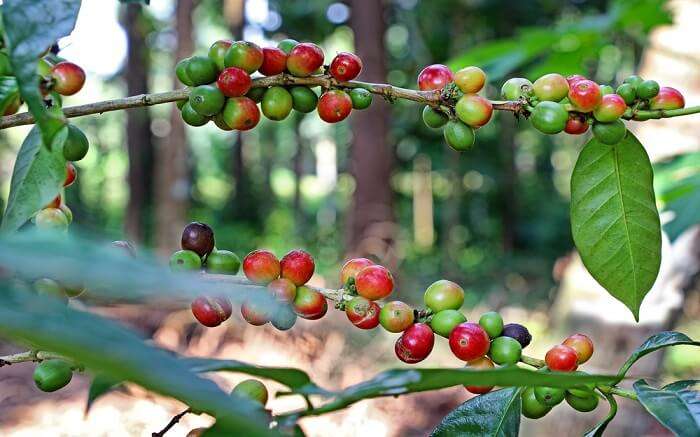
241 113
245 55
309 303
415 344
274 61
561 358
574 78
668 98
55 203
304 59
585 95
334 106
234 82
469 341
582 345
352 267
576 124
362 312
434 77
483 363
261 266
283 290
297 266
374 282
255 313
345 66
611 108
71 174
211 311
68 78
198 237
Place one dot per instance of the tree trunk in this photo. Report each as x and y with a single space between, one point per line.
371 219
172 170
138 126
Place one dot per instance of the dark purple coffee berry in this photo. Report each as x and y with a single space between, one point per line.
518 332
198 237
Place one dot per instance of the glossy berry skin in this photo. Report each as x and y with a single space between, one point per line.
361 98
218 50
470 80
606 89
192 117
374 282
362 312
274 61
304 99
667 98
255 313
241 113
283 290
234 82
207 100
184 260
345 66
648 89
492 322
352 267
251 389
571 80
304 59
181 72
434 119
198 237
628 93
561 358
285 318
585 95
261 267
286 45
518 332
51 219
277 103
201 70
223 262
68 78
334 106
434 77
76 145
469 341
611 108
609 133
415 344
245 55
443 295
634 80
582 403
210 311
576 124
396 316
483 363
549 117
297 266
549 396
219 121
474 110
551 87
531 407
505 350
310 304
583 346
515 88
459 136
52 375
445 321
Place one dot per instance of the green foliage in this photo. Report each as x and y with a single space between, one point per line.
599 428
677 407
677 185
100 385
654 343
8 92
614 220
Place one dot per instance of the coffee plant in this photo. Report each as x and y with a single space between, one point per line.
614 220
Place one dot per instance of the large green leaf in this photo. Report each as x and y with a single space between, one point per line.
614 221
654 343
31 27
105 347
99 386
494 414
677 408
37 178
8 92
599 428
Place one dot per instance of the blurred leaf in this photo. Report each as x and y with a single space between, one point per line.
30 29
100 386
147 2
37 178
677 408
599 428
654 343
680 385
8 92
614 221
677 184
496 413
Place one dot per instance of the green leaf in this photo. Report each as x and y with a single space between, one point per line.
599 428
136 1
100 386
31 27
677 186
8 92
678 408
496 413
654 343
614 221
680 385
36 179
103 346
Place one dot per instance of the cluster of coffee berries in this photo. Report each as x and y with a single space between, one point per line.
566 357
222 88
51 375
471 110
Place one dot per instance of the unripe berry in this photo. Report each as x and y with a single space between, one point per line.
261 266
198 237
277 103
51 219
531 407
207 100
244 55
374 282
211 311
458 135
551 87
549 396
334 106
582 403
283 290
609 133
549 117
217 52
68 78
434 77
469 341
443 295
274 61
76 145
505 350
284 318
345 66
627 92
470 79
184 260
362 312
352 267
241 113
483 363
582 345
52 375
297 266
445 321
561 358
200 70
396 316
576 124
251 389
585 95
474 110
515 88
415 344
610 109
434 119
361 98
234 82
223 262
492 322
667 98
310 304
286 45
304 59
648 89
256 313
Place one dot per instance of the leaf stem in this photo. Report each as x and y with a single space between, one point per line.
534 362
29 356
629 394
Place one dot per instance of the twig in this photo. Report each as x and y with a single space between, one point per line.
170 424
29 356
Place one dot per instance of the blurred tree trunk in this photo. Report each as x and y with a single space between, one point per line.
172 172
138 125
371 218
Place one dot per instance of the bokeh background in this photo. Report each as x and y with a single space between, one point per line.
382 185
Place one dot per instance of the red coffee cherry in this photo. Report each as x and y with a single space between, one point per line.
310 304
434 77
211 311
345 66
70 174
582 345
304 59
362 312
374 282
576 124
198 237
574 78
274 61
334 106
585 95
283 290
352 267
611 108
668 98
469 341
234 82
261 266
245 55
255 313
297 266
415 344
55 203
68 78
241 113
561 358
483 363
